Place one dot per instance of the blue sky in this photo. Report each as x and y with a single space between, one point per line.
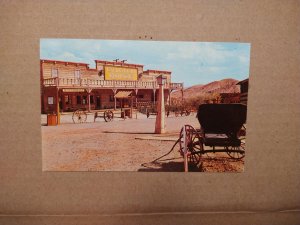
190 62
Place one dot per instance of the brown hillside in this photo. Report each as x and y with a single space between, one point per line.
221 86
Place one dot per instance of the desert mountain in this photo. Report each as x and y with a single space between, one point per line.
221 86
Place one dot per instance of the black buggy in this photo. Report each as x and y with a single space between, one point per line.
221 126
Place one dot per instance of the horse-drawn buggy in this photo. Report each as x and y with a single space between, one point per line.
221 128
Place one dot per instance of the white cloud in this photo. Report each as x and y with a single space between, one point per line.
200 52
192 62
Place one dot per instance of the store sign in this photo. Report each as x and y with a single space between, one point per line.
120 73
73 90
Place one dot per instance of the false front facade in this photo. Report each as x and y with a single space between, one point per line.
67 86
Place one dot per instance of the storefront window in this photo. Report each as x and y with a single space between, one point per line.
54 72
111 98
92 99
50 100
78 100
67 100
84 100
77 74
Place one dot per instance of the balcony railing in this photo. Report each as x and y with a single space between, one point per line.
92 83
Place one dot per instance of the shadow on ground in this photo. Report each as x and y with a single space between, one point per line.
125 132
168 167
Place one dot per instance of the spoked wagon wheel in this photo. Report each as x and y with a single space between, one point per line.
237 152
108 115
79 116
193 142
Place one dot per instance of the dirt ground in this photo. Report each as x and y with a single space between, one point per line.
123 145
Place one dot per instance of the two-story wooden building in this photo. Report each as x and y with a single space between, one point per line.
73 85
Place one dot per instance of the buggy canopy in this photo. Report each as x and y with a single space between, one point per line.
222 118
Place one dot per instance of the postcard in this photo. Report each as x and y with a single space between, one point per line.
148 106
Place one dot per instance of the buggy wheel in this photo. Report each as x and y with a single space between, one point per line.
236 152
193 143
79 116
108 115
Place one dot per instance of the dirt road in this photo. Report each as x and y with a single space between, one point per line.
121 145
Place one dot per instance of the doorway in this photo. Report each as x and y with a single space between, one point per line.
98 102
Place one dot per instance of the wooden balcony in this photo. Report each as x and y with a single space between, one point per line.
106 84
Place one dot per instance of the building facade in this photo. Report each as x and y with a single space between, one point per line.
68 86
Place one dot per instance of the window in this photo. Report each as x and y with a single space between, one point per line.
54 72
78 99
84 98
67 99
77 74
91 99
50 100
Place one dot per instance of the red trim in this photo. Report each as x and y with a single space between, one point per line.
63 62
157 71
118 63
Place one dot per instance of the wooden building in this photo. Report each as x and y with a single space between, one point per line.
72 85
229 98
244 85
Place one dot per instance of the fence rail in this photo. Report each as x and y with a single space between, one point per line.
92 83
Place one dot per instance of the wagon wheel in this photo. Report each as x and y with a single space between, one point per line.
233 151
238 155
79 116
108 115
193 142
177 113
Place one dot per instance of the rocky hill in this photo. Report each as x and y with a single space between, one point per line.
221 86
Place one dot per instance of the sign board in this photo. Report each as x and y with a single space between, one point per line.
120 73
50 100
73 90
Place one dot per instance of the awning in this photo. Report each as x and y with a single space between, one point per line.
123 94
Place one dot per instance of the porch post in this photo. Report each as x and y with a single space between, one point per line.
57 106
115 91
170 90
89 99
154 90
136 91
